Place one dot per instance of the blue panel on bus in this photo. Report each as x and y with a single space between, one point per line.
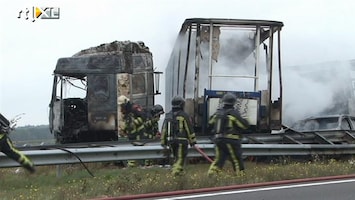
238 94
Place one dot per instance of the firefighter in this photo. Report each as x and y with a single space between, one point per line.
152 127
177 133
152 122
133 121
8 149
227 126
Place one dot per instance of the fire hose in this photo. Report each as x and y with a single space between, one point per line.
203 153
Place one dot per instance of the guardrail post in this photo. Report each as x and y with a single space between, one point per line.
59 171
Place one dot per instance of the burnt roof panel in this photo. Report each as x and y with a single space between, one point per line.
93 64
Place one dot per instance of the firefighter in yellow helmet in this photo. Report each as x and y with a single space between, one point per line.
134 118
177 134
227 126
8 149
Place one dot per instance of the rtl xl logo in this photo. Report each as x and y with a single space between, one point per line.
40 13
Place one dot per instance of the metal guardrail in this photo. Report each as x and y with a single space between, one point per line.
57 156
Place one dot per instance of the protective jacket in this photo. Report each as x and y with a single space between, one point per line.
182 128
134 122
152 127
232 126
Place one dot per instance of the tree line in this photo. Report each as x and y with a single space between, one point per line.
31 134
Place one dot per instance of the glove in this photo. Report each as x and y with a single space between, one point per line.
192 144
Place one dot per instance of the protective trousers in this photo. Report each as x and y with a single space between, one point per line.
179 149
132 137
8 149
227 148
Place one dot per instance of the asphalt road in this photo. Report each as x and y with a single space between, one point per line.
340 187
323 190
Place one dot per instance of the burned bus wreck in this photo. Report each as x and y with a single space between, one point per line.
83 107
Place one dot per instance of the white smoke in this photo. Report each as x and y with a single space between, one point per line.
313 90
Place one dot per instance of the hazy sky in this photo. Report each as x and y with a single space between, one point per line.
314 31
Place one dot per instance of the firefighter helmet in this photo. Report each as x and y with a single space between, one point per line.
157 110
178 102
122 100
229 99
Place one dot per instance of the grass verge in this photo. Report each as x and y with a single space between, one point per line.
110 180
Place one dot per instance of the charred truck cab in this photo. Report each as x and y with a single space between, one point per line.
214 56
86 86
